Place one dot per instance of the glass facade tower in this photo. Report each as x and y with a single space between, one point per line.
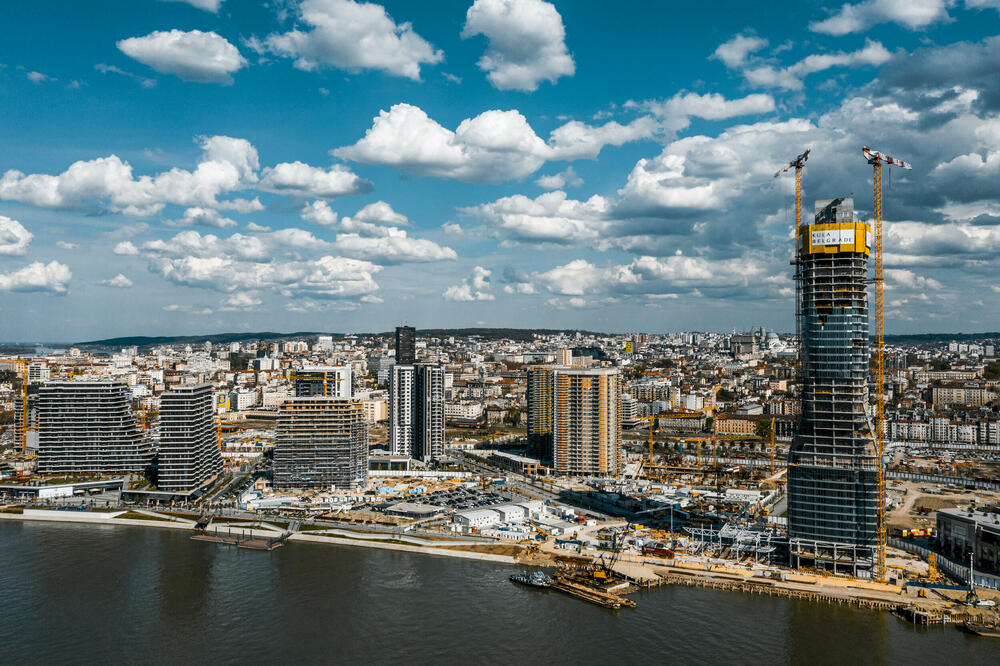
832 491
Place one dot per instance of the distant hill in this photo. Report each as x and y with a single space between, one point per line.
217 338
521 334
11 349
931 338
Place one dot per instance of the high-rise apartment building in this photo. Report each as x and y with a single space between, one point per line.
189 453
330 381
406 345
416 411
832 491
586 421
321 442
379 367
88 427
539 397
38 372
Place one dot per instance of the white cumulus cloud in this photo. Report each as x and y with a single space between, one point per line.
761 73
108 183
302 180
560 180
207 5
527 42
205 57
394 249
14 238
380 212
492 147
475 290
353 36
244 300
550 217
37 276
319 212
734 53
202 217
911 14
126 248
119 282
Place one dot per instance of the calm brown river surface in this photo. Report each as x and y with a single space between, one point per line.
83 594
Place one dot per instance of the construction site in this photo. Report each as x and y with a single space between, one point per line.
813 519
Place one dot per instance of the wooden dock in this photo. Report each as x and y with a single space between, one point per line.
770 589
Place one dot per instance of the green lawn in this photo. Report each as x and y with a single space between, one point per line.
135 515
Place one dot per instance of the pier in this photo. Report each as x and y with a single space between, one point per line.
243 541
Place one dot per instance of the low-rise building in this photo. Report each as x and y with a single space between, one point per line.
964 531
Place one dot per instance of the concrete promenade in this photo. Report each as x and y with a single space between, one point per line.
337 537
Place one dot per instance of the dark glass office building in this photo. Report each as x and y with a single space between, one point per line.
832 492
406 345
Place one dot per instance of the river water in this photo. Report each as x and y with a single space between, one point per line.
89 593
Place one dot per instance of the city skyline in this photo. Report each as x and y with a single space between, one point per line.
198 166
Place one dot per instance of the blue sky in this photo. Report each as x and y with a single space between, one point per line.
194 166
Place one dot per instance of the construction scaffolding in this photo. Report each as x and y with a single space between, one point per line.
736 542
832 557
832 475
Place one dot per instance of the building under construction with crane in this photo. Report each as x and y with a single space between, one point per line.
832 475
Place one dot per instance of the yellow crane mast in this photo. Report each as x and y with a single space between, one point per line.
798 164
877 159
772 445
22 426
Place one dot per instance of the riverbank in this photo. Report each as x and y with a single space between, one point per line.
641 572
457 548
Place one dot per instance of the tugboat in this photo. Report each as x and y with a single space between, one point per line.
536 579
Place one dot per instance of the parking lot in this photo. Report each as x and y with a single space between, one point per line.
458 499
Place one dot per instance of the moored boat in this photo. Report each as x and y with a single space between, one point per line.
535 579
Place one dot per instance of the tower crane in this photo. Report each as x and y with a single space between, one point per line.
877 159
798 164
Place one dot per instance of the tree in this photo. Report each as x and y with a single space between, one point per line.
635 371
725 395
763 429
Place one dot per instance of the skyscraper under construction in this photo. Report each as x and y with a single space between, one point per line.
832 491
